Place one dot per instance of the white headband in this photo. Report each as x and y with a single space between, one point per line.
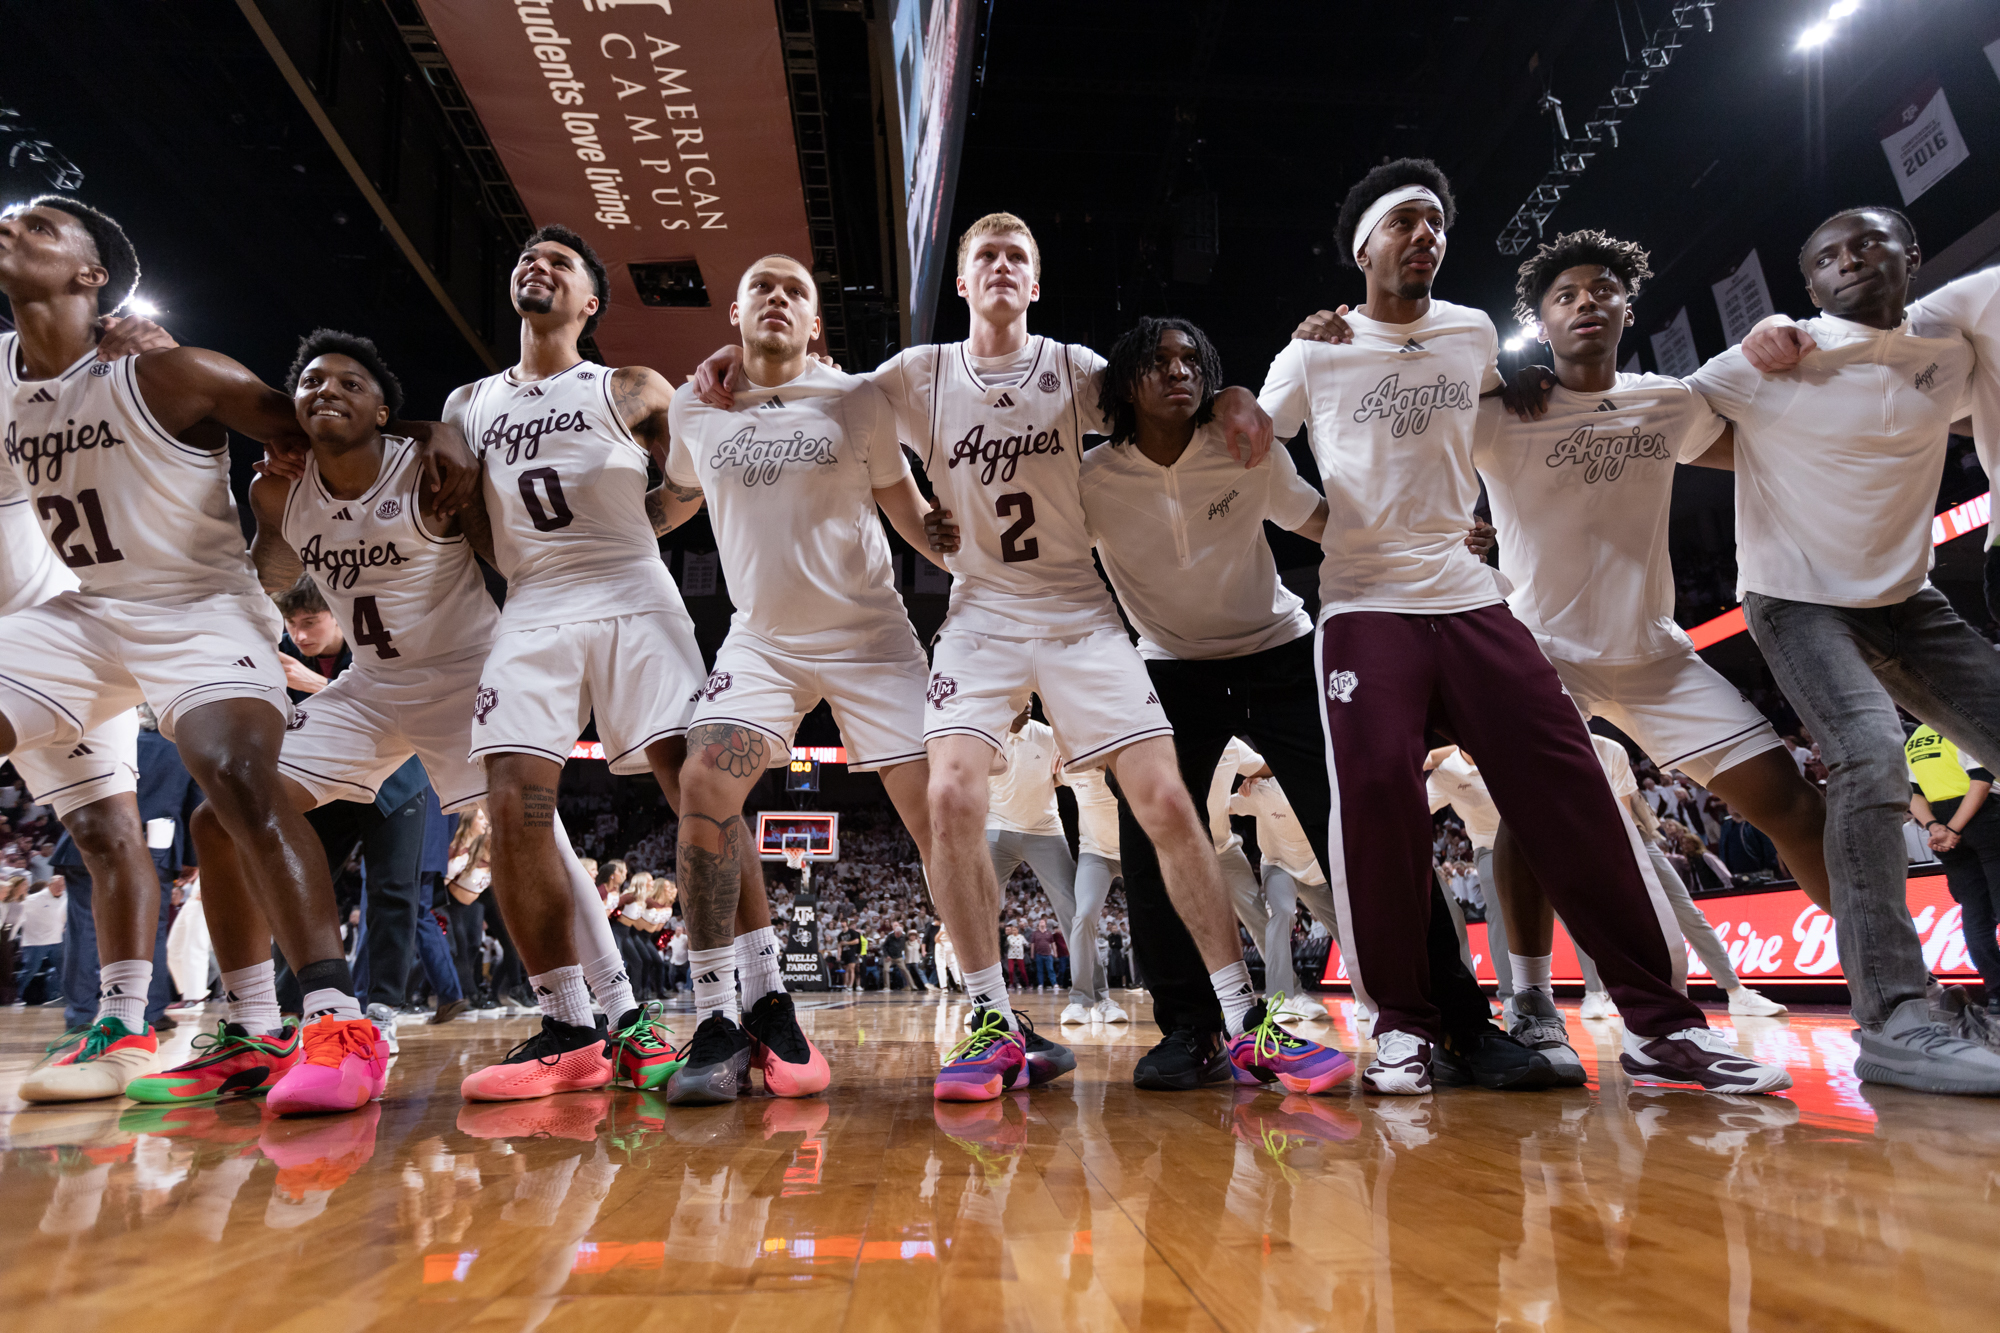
1401 195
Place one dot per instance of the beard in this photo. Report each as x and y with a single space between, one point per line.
1416 289
534 303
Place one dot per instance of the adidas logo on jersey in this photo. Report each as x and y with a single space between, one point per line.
345 515
534 391
1006 400
42 396
773 401
1412 346
1607 406
244 661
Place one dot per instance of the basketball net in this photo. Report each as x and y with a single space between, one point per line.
795 857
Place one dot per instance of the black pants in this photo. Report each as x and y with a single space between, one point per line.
1270 699
468 935
392 849
1972 869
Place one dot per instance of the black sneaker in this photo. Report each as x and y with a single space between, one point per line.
718 1065
1184 1060
1491 1059
1046 1060
792 1065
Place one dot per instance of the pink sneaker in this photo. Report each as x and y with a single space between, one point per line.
345 1066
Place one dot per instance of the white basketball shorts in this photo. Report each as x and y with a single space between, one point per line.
345 741
75 662
639 674
1094 689
877 697
1683 713
68 777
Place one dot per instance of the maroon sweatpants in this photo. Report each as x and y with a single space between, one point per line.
1477 679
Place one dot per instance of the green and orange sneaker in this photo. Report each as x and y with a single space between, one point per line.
646 1059
108 1058
229 1061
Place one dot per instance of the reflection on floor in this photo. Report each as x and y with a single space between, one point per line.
1086 1205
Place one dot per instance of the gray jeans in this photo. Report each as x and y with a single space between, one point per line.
1284 894
1048 856
1079 913
1845 670
1707 944
1496 924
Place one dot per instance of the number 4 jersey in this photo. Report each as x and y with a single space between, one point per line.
136 514
403 595
566 495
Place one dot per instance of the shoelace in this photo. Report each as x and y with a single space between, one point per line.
541 1046
714 1040
1395 1048
330 1042
647 1024
1276 1144
1272 1039
96 1041
216 1042
68 1038
991 1028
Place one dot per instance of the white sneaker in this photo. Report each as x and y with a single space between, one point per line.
1075 1013
1701 1057
1401 1067
1299 1009
1746 1003
1109 1011
1597 1004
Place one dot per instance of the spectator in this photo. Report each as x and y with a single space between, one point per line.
1745 849
1016 961
43 915
895 947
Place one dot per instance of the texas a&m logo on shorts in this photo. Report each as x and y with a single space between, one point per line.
298 720
1341 685
942 688
718 684
484 702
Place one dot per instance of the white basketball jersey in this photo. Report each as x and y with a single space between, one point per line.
1004 458
402 594
566 495
30 574
135 514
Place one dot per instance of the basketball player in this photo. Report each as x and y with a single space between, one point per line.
1837 463
1414 634
997 422
136 501
1180 529
792 479
593 625
1097 864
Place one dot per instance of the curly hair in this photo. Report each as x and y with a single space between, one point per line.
1627 260
1909 231
1389 176
323 342
114 248
564 236
301 599
1132 356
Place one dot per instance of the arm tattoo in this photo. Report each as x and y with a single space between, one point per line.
685 494
738 751
711 878
645 419
538 806
656 506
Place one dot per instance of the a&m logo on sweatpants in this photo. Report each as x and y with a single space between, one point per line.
1341 686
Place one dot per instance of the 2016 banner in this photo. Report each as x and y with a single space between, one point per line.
1772 936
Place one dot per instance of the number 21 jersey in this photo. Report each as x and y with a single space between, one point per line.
566 496
136 514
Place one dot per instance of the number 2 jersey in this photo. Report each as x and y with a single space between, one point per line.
566 496
136 514
1005 459
403 595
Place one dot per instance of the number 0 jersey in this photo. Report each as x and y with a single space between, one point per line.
566 495
403 595
1005 459
135 513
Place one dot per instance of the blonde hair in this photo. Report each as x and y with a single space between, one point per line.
993 224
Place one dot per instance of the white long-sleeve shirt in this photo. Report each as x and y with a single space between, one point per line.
1238 759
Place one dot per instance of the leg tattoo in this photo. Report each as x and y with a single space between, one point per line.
709 880
738 751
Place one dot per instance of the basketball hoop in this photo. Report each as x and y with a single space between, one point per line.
795 857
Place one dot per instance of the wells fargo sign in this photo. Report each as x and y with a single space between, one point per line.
660 130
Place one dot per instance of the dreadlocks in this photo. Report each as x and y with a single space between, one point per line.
1132 357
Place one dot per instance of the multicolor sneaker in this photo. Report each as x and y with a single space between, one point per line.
644 1056
1702 1058
229 1061
101 1064
990 1060
1047 1061
560 1057
792 1065
1266 1053
314 1158
717 1068
343 1066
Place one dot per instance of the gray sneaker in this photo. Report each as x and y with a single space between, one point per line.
384 1019
1951 1006
1538 1026
1913 1050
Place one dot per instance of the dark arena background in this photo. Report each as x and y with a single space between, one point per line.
377 166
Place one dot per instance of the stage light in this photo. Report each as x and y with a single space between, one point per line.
1814 36
139 305
1843 9
1516 343
1820 33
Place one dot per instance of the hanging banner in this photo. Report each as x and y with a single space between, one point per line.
1922 140
931 45
661 132
1742 299
1673 348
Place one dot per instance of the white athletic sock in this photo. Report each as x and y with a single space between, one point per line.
1233 988
757 964
986 988
1532 973
252 995
714 973
331 1004
608 981
563 996
121 991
